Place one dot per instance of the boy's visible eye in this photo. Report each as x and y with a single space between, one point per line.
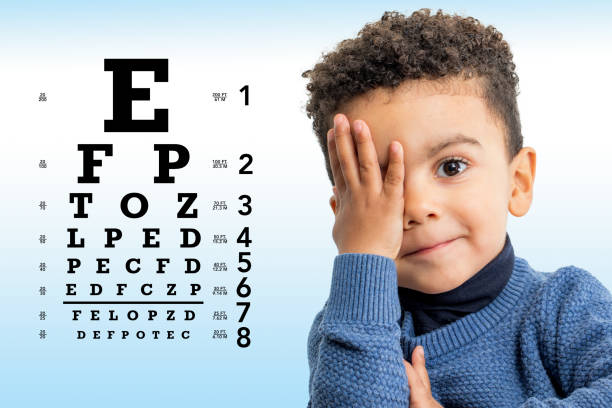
450 165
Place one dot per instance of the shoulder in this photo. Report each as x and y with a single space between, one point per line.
574 326
552 296
569 297
571 285
564 283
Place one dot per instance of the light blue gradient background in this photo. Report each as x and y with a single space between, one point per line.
562 51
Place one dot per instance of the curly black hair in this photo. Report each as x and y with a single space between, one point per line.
436 47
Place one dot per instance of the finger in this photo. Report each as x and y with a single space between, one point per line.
394 179
369 168
333 161
418 362
417 388
346 151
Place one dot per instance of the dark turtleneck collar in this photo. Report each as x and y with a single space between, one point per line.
430 311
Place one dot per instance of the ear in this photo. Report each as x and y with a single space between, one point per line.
522 178
333 202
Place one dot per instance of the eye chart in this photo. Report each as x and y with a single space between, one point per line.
177 301
158 241
123 278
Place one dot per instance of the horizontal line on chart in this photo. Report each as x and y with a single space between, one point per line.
125 302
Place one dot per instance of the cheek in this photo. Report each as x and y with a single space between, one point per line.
481 201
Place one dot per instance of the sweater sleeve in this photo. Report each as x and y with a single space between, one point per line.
578 341
354 351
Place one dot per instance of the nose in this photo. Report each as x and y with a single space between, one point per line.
420 203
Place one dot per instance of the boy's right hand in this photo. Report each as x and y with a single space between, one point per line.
369 211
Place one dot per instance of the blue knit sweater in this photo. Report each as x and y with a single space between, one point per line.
544 341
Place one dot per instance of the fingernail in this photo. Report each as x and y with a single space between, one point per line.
395 147
337 120
357 126
330 134
422 351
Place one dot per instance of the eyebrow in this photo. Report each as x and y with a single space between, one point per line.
458 138
455 139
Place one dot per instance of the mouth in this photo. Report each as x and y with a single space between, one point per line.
429 250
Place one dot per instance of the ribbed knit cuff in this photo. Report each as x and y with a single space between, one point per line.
363 289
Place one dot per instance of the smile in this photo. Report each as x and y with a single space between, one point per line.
432 249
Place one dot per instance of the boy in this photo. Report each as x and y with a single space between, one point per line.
425 155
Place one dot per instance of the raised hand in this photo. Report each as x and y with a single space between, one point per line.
368 209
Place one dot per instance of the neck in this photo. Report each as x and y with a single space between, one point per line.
430 311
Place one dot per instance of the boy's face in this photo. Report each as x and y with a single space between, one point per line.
466 203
